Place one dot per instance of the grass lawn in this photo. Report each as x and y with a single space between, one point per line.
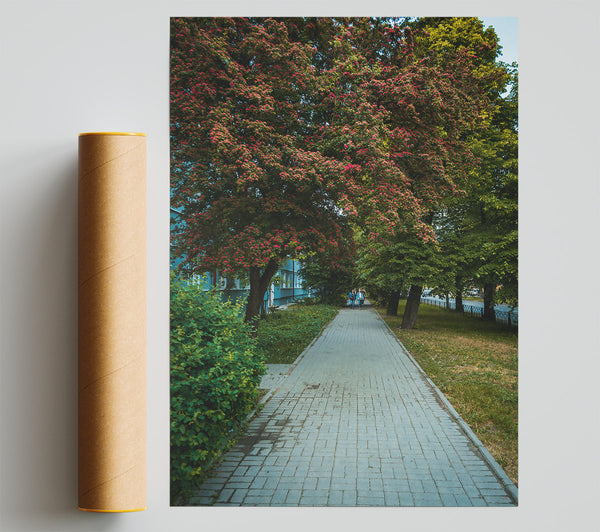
475 365
284 334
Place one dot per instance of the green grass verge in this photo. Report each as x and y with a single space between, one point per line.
284 334
475 365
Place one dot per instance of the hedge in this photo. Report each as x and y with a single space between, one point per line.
215 373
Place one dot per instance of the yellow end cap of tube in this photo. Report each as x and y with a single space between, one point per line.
116 133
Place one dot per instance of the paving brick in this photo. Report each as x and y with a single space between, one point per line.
252 500
478 501
293 497
462 500
349 498
290 484
238 484
427 499
370 501
335 497
492 492
406 499
258 482
498 500
448 499
279 497
310 483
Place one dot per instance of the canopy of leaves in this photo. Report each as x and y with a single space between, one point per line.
475 229
284 132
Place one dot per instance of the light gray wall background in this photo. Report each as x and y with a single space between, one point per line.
69 67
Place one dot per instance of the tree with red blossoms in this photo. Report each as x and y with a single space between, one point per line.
250 192
285 132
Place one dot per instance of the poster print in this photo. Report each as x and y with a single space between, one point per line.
332 181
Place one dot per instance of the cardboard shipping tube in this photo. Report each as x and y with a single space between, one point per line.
112 322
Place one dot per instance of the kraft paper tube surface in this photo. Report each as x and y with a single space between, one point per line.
112 322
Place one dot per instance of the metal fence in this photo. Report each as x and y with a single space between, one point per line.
504 316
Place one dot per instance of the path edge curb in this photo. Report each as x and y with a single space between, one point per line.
508 484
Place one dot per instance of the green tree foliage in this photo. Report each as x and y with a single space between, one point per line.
475 228
215 372
496 197
390 266
479 231
330 281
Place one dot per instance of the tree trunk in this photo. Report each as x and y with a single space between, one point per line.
259 282
459 302
255 297
412 307
489 290
229 284
458 298
392 303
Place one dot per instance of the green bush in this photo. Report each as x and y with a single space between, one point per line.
215 373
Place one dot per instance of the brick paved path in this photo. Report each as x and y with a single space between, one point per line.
356 423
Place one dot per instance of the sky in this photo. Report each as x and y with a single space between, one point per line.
507 29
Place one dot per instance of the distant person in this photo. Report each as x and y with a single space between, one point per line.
361 298
350 302
353 297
